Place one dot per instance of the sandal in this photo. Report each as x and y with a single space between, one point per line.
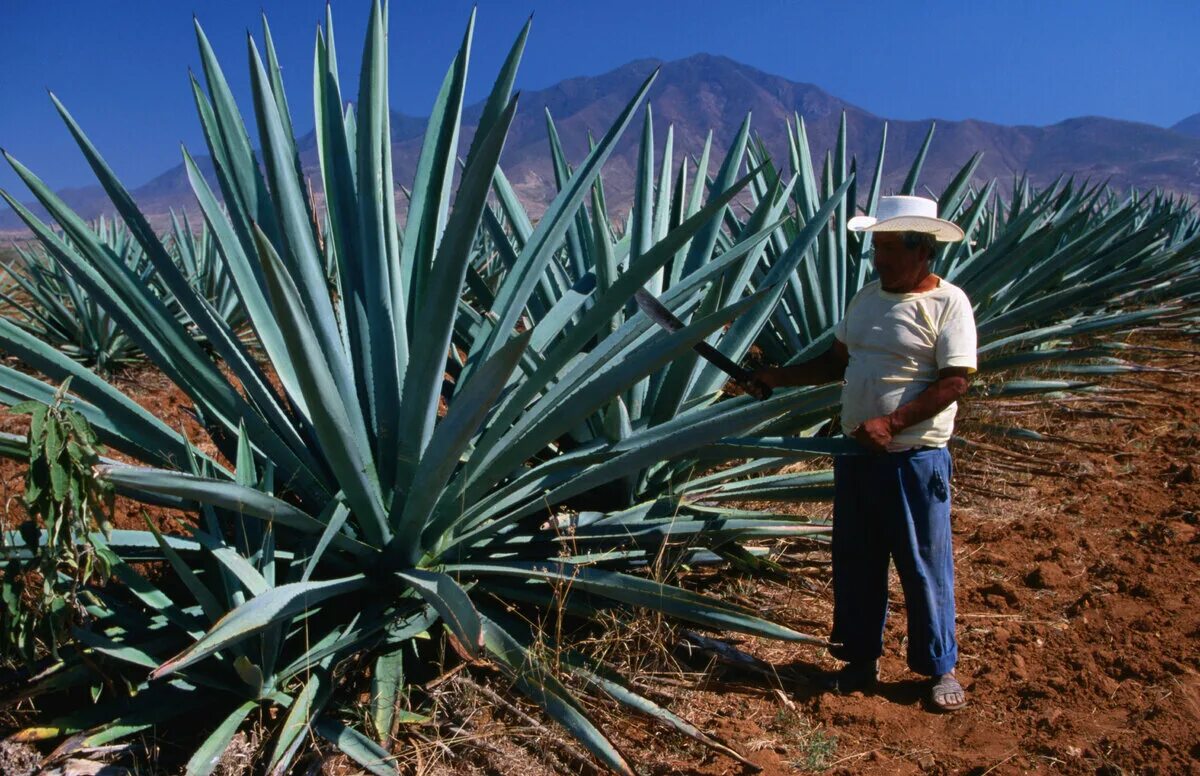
943 689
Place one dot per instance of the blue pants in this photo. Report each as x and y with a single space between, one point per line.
897 505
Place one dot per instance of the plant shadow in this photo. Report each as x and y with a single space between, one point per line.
804 681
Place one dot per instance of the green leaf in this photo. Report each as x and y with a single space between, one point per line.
539 249
452 604
440 297
275 605
306 706
58 481
339 424
638 591
205 759
450 440
387 688
38 428
534 680
356 746
225 495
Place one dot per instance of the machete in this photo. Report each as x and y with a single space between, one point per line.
655 310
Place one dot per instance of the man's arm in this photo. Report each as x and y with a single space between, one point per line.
828 367
950 386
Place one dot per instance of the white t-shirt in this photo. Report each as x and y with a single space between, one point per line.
897 344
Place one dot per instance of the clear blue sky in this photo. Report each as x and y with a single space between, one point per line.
121 65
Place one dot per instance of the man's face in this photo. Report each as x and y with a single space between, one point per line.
900 268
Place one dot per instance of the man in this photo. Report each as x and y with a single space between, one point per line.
905 349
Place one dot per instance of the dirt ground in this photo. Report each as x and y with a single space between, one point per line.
1076 562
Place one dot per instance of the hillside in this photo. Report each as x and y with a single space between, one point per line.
705 91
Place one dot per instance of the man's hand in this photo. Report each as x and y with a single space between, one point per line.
876 433
757 387
767 376
828 367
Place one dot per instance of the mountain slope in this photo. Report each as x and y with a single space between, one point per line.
705 92
1189 126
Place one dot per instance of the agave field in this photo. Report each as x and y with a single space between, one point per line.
425 437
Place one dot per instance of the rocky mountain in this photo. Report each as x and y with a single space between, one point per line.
1189 126
706 91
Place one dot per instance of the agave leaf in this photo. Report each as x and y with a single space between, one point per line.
214 328
140 430
910 181
382 343
387 687
356 746
424 377
452 603
365 629
258 613
642 236
606 261
807 486
335 519
276 78
432 182
305 267
745 329
241 178
205 759
307 705
248 279
538 251
639 591
705 240
535 681
225 495
203 596
594 319
143 316
577 258
152 597
147 712
555 414
238 566
339 424
757 447
622 694
450 441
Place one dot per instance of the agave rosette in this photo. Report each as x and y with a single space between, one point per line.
195 251
48 302
344 514
44 300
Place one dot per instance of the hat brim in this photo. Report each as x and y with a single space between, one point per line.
942 230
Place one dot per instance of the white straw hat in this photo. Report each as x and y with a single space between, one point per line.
907 214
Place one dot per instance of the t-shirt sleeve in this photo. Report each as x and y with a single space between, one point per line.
956 337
